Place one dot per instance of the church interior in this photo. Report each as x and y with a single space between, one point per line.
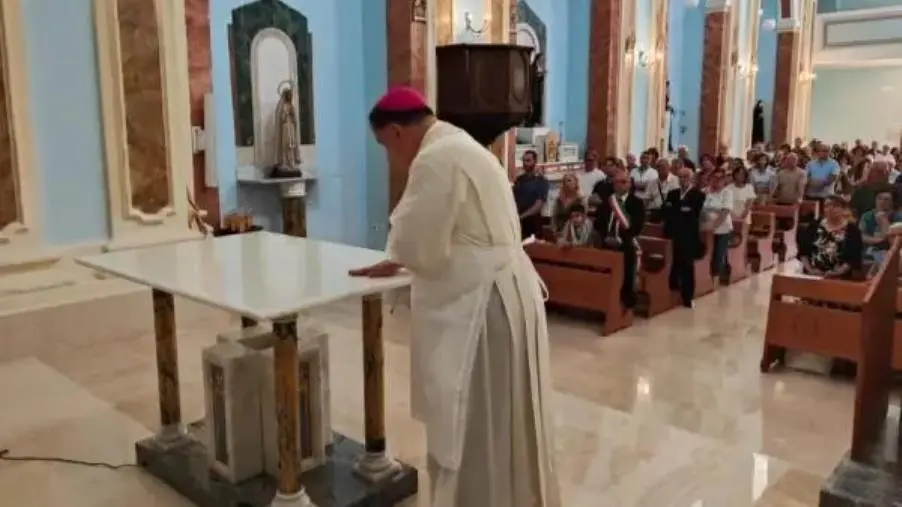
180 128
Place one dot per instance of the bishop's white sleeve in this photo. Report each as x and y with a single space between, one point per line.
423 221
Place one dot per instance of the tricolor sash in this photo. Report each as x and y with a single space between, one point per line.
619 215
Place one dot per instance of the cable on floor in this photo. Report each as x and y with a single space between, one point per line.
4 456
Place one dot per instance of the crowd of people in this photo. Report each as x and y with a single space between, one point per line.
607 204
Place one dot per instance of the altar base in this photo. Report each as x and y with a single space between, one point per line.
185 469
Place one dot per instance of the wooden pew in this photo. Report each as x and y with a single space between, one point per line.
828 317
704 283
738 255
761 241
583 278
787 218
867 476
654 275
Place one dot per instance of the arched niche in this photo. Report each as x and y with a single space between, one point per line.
531 31
273 66
270 18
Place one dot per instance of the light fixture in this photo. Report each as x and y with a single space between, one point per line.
807 76
747 70
692 4
769 24
645 58
468 24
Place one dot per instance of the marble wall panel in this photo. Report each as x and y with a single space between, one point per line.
784 87
406 49
145 117
604 72
9 188
197 24
714 61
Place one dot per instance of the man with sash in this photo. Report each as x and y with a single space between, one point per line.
480 371
619 220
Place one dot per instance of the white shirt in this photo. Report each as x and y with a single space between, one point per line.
647 176
740 197
715 202
893 174
588 180
659 190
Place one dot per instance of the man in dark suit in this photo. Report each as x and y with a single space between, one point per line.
619 219
682 225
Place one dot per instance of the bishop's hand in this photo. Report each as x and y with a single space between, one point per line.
382 269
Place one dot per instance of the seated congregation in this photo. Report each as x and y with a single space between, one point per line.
649 235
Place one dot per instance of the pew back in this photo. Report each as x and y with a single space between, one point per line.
583 278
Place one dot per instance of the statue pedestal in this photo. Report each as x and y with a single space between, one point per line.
292 194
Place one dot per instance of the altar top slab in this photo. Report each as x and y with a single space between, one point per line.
261 275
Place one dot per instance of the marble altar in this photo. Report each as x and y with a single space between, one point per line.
266 277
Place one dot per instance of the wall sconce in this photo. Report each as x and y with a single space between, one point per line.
769 25
468 24
747 70
807 76
645 59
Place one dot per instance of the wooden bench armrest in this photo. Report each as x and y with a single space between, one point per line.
780 211
764 224
660 247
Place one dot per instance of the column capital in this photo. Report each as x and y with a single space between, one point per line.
788 25
718 5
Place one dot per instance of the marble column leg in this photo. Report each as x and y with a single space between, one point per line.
294 217
171 428
376 464
290 492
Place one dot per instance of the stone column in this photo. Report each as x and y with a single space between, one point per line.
604 75
197 23
715 56
786 80
406 44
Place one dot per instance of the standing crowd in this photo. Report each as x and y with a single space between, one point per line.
608 203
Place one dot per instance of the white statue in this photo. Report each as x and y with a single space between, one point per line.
287 147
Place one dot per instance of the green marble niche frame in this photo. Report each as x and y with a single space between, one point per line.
526 15
247 21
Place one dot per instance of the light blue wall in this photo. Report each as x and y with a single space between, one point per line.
66 125
767 63
348 200
639 111
577 91
676 34
690 78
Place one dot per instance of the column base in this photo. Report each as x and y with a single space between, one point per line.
299 499
376 467
334 484
169 437
859 485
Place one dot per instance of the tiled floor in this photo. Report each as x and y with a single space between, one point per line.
670 413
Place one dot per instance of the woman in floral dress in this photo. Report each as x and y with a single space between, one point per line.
832 248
